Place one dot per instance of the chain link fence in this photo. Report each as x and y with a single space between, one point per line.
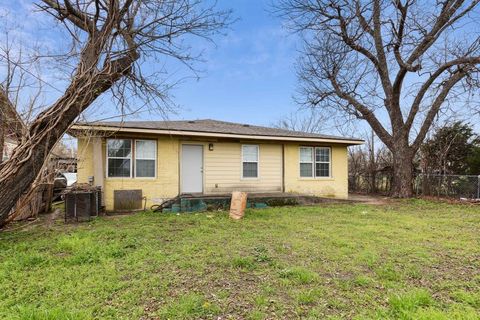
451 186
438 185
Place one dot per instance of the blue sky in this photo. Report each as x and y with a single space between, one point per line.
246 74
249 76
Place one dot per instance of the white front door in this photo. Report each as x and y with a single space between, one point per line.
192 168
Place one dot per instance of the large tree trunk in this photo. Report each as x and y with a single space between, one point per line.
26 163
402 186
21 170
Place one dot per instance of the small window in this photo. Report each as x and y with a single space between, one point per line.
250 161
314 162
322 162
306 162
145 158
119 157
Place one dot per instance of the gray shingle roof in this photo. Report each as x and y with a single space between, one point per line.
215 126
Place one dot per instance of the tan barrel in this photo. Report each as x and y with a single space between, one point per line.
238 205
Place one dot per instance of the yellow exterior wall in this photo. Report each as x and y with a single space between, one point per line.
336 186
156 190
223 169
84 160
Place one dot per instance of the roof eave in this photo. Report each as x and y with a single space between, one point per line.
212 134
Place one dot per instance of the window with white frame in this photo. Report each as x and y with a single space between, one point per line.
145 158
249 161
119 158
315 162
322 162
120 162
306 162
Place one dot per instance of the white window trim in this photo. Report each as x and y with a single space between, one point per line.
329 162
258 162
108 157
154 159
314 169
312 162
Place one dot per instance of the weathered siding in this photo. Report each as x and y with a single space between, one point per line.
223 169
335 186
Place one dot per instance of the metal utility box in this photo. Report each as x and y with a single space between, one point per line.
127 200
81 205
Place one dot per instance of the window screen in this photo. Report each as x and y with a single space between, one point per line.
250 161
306 162
145 158
314 161
119 157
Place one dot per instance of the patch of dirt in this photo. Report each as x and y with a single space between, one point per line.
369 199
43 220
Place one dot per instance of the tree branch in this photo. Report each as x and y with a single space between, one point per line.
363 22
12 122
399 34
443 21
392 107
366 113
415 107
432 113
78 18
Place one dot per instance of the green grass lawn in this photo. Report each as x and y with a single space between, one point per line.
406 260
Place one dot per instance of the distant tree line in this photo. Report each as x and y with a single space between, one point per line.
452 149
397 66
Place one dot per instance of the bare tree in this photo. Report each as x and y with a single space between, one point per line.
11 125
302 120
111 39
397 64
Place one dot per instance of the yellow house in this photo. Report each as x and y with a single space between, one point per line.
159 160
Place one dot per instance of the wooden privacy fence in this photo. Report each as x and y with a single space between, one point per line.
37 200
